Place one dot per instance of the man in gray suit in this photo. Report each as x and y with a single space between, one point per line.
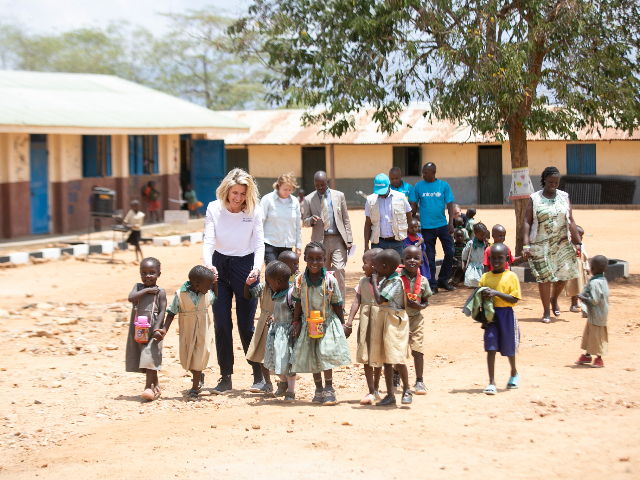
325 211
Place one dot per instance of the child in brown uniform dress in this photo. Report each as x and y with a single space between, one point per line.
366 302
192 304
390 344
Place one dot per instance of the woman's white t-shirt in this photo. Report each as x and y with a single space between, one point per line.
233 234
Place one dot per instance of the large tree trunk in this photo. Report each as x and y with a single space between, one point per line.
519 159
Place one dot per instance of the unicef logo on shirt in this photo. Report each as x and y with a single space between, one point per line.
438 194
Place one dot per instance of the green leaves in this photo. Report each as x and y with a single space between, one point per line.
547 67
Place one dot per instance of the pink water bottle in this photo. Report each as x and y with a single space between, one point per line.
142 325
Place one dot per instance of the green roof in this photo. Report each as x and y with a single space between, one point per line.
42 102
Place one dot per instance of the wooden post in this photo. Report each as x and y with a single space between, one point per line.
332 163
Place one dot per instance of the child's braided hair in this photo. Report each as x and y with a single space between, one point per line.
479 227
315 245
547 172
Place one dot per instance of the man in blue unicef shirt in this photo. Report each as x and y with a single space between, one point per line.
399 185
433 197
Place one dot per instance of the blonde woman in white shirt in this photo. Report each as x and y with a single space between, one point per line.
233 248
281 218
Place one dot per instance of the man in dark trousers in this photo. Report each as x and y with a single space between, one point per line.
434 196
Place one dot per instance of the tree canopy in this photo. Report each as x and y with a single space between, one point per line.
505 68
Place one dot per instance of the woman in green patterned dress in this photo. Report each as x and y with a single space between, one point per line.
552 258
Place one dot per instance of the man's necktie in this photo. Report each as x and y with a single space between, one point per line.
325 213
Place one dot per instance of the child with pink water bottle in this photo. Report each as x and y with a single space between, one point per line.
144 343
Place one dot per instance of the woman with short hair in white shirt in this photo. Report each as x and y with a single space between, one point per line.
281 218
233 248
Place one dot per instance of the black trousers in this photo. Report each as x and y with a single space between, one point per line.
272 253
232 275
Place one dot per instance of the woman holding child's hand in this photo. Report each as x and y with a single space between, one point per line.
233 230
548 226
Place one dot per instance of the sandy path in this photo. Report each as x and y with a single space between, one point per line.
564 421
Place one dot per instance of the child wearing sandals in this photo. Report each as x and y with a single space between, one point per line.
256 349
317 290
149 300
366 303
417 290
277 355
502 334
595 306
192 304
390 343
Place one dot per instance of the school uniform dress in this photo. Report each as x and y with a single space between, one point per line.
195 327
142 356
368 318
416 320
391 336
574 286
425 271
473 256
255 352
314 355
595 339
502 333
279 345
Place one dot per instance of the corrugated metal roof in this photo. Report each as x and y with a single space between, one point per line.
283 127
67 102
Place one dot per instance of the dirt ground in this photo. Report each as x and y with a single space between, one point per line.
68 409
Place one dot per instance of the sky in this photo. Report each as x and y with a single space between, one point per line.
49 16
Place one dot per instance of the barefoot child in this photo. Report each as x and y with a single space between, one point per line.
417 290
595 306
575 286
149 300
390 343
192 304
133 221
473 256
366 302
317 290
415 238
502 334
499 234
277 356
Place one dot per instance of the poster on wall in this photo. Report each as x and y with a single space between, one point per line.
521 186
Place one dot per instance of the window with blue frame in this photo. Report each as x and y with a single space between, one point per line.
96 156
581 159
143 154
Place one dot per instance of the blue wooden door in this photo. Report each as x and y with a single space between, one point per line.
581 159
39 185
208 161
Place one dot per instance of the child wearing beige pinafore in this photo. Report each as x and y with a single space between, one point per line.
256 350
366 302
192 303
